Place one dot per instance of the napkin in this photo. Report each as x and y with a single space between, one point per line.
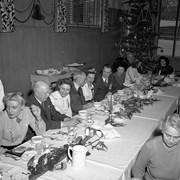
109 132
176 84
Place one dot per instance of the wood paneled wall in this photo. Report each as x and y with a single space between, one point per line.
37 47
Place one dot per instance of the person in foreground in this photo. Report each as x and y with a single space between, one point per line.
77 98
160 155
61 98
14 121
52 118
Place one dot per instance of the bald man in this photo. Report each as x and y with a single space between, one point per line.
77 98
52 118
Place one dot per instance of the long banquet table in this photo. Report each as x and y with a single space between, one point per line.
117 161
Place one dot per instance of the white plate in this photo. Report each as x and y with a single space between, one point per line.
28 155
74 65
118 120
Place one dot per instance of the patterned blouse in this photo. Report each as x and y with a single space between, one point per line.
61 104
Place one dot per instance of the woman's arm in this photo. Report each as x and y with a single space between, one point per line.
36 121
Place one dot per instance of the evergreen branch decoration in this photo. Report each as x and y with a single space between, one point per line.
134 105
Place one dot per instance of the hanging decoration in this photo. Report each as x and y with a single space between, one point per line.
7 19
60 16
105 18
37 12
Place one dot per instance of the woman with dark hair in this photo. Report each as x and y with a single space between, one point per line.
61 98
163 67
119 74
159 158
88 88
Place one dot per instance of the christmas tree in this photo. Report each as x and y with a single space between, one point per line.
141 21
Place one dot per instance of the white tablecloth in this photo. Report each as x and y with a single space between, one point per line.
160 109
117 161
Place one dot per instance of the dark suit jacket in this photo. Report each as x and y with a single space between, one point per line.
77 100
101 89
49 114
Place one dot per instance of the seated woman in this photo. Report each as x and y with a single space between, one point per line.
132 74
160 157
88 88
119 75
163 67
1 96
61 98
15 120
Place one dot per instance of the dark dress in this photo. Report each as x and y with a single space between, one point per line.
164 70
119 80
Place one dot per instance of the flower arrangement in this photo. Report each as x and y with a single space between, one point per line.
144 84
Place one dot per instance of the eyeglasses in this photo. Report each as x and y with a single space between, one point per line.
170 136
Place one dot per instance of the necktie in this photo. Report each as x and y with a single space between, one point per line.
43 106
106 82
18 120
80 91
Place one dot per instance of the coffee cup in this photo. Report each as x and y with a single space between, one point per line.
77 154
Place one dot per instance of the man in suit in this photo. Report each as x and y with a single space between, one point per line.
77 99
52 118
104 83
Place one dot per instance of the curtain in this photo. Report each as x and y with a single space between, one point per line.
7 19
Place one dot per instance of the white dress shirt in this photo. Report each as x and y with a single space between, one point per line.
88 92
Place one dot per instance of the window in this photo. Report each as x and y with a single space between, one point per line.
169 30
84 13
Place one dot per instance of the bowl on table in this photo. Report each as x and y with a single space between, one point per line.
83 114
97 104
37 139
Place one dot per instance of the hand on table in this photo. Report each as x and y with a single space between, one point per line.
88 105
68 122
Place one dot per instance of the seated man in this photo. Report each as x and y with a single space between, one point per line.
15 120
52 118
104 83
77 99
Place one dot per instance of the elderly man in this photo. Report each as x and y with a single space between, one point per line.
52 118
104 83
77 99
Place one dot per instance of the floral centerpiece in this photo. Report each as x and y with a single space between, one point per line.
143 85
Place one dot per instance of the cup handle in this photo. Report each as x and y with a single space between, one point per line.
69 152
